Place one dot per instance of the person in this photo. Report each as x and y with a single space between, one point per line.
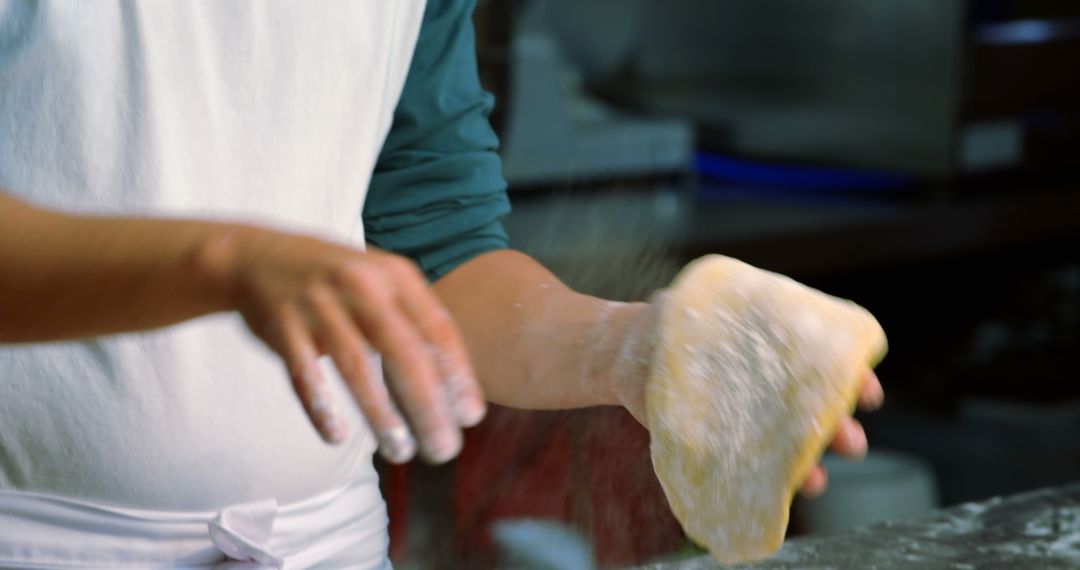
222 221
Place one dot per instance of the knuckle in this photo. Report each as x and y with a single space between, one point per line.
352 366
442 328
345 274
433 420
311 299
299 373
296 372
270 330
275 328
381 415
401 266
387 334
411 379
363 281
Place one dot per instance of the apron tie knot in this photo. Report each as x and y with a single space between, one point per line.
242 531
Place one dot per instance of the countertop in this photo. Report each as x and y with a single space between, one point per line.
1040 529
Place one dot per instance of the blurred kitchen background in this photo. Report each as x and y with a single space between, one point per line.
921 157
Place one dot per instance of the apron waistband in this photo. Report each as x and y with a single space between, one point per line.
46 531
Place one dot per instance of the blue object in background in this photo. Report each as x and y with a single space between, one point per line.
747 172
542 545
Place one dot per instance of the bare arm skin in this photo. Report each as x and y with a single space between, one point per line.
65 276
535 343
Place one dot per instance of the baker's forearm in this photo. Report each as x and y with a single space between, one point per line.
65 276
534 342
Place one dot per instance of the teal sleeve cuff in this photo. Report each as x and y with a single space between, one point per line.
437 194
440 261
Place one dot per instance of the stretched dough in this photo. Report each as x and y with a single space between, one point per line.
751 376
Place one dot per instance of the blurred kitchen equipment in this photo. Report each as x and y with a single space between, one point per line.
885 485
554 132
541 545
990 447
933 88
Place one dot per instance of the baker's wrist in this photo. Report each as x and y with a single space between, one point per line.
632 332
215 264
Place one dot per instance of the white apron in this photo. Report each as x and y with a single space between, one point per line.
341 528
264 112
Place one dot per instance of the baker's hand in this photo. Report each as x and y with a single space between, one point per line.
850 439
306 297
636 324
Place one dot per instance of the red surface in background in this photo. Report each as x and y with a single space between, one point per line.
588 468
394 482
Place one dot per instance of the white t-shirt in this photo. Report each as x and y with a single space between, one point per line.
272 113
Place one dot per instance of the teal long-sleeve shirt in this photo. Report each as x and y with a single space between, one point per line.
437 194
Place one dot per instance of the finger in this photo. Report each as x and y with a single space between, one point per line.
295 345
439 330
414 382
414 378
815 483
871 395
850 440
349 351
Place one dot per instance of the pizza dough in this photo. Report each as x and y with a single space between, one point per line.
751 376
